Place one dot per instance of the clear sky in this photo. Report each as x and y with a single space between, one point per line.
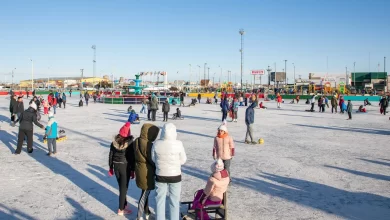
166 35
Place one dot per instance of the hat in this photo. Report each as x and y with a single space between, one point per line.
51 114
125 130
33 105
223 128
217 166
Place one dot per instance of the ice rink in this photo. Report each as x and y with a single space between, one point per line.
311 166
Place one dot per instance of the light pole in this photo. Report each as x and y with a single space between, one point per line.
32 75
199 75
242 32
269 76
94 64
204 75
285 71
208 75
190 76
294 72
275 77
12 85
354 74
220 76
384 70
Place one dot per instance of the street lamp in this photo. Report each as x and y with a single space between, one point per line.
242 32
269 76
12 85
285 71
354 75
32 74
294 72
199 75
190 76
204 74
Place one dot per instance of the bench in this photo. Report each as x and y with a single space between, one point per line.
220 211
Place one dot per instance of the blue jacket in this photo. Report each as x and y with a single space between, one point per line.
250 114
224 105
63 98
132 117
51 128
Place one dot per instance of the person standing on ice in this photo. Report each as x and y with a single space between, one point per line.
26 120
165 109
168 154
64 99
145 167
86 96
349 110
121 162
225 107
312 102
223 147
279 100
143 109
333 102
51 134
154 107
249 121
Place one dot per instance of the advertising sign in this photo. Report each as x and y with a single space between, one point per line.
258 72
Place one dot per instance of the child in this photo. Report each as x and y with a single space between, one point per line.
81 103
349 110
178 113
223 147
262 106
45 107
235 110
130 109
51 134
216 186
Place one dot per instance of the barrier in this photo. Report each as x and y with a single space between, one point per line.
127 100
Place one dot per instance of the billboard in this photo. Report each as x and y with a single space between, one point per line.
257 72
278 77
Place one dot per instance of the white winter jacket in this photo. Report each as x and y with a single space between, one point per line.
168 153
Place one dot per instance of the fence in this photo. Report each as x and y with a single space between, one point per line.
134 100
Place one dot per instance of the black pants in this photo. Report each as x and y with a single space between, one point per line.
59 104
312 107
70 94
143 204
122 173
384 110
350 115
22 134
154 115
165 116
226 164
335 108
224 115
199 101
149 114
64 102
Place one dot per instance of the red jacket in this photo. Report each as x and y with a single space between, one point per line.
279 98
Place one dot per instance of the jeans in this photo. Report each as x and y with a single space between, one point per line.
249 131
227 163
86 101
122 173
52 145
165 116
143 204
21 135
312 107
199 101
149 114
174 190
384 110
64 102
55 107
143 109
224 115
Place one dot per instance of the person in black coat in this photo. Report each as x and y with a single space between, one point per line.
26 121
165 109
13 103
18 109
121 162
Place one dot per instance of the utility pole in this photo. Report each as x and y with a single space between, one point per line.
285 71
269 76
190 77
384 70
32 75
354 75
82 77
204 75
12 85
294 72
208 74
199 75
94 65
242 32
220 77
275 77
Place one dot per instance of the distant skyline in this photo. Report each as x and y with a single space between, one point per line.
141 36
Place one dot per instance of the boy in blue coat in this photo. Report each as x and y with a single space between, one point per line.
51 134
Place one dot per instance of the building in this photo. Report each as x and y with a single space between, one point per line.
63 82
370 80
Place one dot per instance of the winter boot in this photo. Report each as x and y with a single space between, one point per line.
124 212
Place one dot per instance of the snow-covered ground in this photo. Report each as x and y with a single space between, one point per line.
311 166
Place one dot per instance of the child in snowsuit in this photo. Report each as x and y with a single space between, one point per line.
121 162
216 186
223 147
51 134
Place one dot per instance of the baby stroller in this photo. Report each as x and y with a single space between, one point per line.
177 115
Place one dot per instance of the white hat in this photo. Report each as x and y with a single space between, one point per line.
217 166
33 105
223 128
51 114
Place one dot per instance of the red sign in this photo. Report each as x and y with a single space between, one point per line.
258 72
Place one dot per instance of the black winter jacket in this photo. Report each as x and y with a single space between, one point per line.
27 118
166 107
12 103
122 154
18 108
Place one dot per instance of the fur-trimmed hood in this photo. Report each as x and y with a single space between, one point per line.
120 147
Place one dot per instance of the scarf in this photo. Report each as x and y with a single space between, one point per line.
223 135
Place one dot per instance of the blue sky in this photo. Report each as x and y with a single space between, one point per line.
134 36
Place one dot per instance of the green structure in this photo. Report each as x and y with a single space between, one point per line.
376 79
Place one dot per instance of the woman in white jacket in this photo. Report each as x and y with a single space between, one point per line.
168 154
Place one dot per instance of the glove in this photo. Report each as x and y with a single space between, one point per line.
132 175
111 172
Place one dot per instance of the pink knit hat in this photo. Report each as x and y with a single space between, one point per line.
125 130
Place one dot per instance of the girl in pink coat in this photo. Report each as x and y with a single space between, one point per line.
223 147
216 186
